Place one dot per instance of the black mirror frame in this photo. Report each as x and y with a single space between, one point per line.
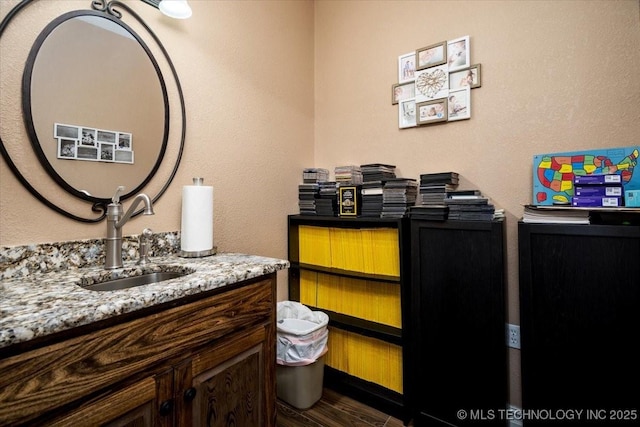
104 8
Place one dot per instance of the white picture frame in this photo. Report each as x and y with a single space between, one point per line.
401 92
407 113
124 141
459 104
407 67
458 56
61 130
123 156
67 148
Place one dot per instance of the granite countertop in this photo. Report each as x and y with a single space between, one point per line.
39 304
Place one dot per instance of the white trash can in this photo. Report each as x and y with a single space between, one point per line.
302 336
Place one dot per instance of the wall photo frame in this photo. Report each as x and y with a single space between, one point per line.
401 92
406 67
61 130
434 83
430 56
471 77
88 137
407 114
459 104
431 111
91 144
458 53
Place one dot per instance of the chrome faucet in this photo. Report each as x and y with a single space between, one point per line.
115 221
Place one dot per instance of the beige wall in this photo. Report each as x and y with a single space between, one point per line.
556 76
272 87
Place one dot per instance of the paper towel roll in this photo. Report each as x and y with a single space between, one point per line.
197 219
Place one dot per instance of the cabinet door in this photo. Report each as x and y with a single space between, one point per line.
579 299
227 384
459 313
133 406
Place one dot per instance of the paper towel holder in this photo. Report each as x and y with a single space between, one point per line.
198 254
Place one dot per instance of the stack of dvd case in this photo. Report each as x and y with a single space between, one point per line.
307 194
327 200
377 172
472 207
313 175
374 175
433 188
372 198
398 194
603 190
348 175
309 190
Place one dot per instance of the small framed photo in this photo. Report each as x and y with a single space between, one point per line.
66 148
458 53
123 156
431 111
401 92
124 141
459 104
468 77
106 152
407 113
429 56
432 83
87 153
66 131
406 67
88 137
106 136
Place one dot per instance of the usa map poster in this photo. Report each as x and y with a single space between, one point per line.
553 173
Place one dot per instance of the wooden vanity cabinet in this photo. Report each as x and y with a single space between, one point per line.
209 362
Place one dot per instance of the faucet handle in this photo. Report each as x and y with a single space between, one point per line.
146 233
116 196
144 246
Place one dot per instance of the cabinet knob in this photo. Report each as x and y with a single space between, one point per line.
166 407
190 394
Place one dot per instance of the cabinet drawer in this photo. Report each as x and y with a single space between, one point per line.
41 380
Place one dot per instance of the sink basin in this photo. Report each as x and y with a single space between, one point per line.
131 282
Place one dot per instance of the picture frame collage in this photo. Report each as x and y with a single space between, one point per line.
434 84
92 144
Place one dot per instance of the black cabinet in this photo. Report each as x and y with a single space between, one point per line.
459 356
580 321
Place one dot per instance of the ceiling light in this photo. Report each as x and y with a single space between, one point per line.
179 9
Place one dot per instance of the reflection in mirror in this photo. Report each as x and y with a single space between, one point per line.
91 73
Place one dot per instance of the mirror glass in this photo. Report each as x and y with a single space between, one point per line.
97 104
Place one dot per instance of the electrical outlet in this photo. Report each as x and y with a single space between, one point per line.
513 335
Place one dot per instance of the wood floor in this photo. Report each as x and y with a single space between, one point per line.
333 410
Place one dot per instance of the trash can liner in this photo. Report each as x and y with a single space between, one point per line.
302 334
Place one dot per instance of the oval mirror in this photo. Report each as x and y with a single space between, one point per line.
95 104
